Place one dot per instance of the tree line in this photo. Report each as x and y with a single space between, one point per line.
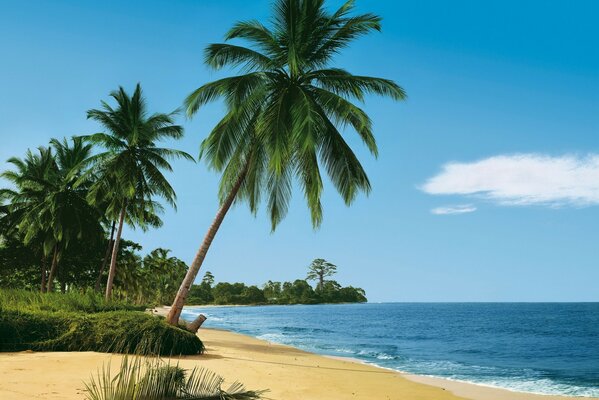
287 113
297 292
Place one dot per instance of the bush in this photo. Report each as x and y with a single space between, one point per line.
109 332
88 302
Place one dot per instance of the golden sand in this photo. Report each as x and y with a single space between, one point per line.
289 374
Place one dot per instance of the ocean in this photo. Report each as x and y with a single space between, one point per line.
548 348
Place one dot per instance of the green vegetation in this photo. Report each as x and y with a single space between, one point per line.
156 380
58 217
285 114
83 322
128 173
87 302
149 280
296 292
320 269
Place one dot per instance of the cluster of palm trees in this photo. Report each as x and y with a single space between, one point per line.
286 113
67 192
153 279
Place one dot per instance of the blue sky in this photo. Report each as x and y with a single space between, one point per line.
486 184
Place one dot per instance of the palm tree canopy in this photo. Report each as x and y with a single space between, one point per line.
49 202
287 109
130 169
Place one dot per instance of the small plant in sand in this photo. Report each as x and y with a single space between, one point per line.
157 380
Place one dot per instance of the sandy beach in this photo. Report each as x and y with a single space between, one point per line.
287 372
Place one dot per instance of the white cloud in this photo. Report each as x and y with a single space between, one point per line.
522 179
458 209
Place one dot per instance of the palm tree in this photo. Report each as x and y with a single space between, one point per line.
49 204
73 217
165 273
284 113
29 178
130 169
135 216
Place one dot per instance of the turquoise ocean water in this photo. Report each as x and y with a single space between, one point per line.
549 348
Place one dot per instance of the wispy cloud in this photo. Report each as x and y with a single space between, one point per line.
458 209
522 179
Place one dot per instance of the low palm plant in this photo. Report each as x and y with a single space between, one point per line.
156 380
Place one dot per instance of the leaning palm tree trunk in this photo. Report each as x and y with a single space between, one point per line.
52 270
115 252
192 272
105 260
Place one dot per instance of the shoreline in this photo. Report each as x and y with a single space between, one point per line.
470 390
287 372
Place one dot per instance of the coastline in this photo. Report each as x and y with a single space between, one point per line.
469 390
289 373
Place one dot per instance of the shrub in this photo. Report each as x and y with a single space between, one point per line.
88 301
158 380
110 332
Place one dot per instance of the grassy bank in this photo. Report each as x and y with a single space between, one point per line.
85 322
87 302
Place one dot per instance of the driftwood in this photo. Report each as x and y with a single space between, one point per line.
195 325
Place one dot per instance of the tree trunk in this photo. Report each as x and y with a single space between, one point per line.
105 260
196 324
192 272
44 271
115 251
52 270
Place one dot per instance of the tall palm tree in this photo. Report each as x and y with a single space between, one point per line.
29 178
49 203
130 168
285 112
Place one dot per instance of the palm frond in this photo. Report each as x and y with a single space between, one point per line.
157 380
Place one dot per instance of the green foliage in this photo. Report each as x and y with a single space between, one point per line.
320 269
153 279
130 332
202 293
156 380
237 293
296 292
86 322
129 170
287 110
84 302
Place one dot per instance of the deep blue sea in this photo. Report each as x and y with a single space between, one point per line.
550 348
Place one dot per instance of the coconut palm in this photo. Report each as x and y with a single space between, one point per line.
130 169
49 203
165 272
134 217
285 114
29 178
